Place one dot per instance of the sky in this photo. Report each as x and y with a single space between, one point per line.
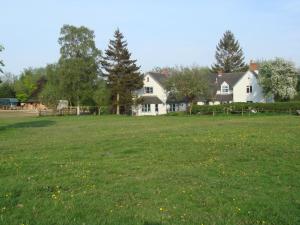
159 32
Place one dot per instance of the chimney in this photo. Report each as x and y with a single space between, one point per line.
220 73
165 72
253 66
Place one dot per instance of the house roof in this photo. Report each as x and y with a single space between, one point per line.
159 77
224 98
151 100
173 99
230 78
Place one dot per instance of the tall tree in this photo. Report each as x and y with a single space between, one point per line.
189 84
78 63
1 61
278 78
122 73
229 55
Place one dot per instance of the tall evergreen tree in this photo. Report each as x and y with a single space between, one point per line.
229 55
122 74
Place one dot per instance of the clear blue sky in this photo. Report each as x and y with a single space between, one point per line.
159 32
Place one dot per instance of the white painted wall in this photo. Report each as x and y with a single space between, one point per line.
240 89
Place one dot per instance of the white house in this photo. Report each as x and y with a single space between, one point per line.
156 100
226 88
236 87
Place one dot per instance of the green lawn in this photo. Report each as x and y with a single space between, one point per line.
150 170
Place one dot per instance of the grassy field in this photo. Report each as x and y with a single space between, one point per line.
150 170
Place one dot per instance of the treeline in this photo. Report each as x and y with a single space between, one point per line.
84 75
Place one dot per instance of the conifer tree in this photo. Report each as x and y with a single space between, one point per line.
122 74
229 55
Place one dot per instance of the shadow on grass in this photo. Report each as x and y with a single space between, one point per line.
38 123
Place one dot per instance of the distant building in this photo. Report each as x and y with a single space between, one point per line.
9 103
225 88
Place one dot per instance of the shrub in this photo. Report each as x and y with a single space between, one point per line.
246 107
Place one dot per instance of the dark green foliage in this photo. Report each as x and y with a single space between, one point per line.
279 107
52 92
7 90
101 96
30 83
7 82
78 63
229 55
122 74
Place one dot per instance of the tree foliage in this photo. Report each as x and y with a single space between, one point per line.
7 86
101 95
78 63
229 55
30 82
122 73
52 92
1 61
188 83
279 78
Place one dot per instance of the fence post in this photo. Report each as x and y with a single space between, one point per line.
242 111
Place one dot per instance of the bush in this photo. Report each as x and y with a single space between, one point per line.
287 107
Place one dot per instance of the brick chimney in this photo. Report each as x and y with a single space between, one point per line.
253 66
165 72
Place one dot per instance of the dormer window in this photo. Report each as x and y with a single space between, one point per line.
148 90
224 88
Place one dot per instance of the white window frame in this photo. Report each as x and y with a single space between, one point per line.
148 90
224 88
172 107
146 108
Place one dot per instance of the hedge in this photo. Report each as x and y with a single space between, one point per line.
290 107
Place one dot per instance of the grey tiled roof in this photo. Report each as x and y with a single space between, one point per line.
229 78
159 77
151 100
224 98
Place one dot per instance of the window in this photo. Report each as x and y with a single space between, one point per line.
249 89
146 108
173 108
147 79
225 89
156 107
148 90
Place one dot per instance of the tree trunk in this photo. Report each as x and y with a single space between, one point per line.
99 112
191 107
78 108
118 106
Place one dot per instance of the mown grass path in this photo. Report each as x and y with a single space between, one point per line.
150 170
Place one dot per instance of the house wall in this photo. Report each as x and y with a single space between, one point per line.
158 91
240 89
